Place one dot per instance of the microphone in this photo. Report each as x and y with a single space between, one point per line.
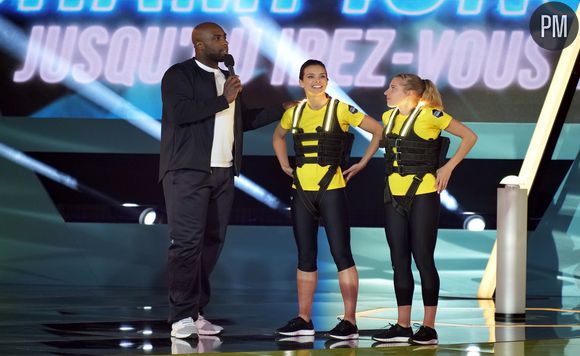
229 62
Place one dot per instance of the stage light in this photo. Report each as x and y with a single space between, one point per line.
148 217
41 168
448 201
257 192
474 222
130 205
52 173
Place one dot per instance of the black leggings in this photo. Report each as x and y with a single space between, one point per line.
334 214
414 234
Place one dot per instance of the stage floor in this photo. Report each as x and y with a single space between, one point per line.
131 321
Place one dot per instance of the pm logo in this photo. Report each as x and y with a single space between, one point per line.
554 26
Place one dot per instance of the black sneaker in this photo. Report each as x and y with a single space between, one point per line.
297 327
395 333
344 331
424 336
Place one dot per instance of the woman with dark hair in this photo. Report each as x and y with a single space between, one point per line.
416 173
319 126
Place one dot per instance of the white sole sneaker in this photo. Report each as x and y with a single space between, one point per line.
182 335
428 342
297 333
345 337
397 339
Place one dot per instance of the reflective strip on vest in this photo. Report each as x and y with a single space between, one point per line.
408 123
391 122
297 114
328 117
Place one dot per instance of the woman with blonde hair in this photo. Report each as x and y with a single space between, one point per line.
416 173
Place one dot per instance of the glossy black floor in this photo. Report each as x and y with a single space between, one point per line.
130 321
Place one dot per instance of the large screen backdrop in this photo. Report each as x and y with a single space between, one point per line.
106 58
66 65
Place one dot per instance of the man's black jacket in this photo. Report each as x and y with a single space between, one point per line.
190 103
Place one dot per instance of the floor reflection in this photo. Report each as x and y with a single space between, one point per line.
37 321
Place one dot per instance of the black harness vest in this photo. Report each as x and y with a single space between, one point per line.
333 149
414 155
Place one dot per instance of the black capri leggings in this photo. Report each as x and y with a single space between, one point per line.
334 214
414 234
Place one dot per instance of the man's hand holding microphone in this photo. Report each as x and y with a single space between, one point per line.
233 85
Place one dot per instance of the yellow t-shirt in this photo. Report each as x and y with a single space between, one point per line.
428 124
311 173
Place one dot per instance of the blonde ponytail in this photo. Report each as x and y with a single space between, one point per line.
425 88
431 95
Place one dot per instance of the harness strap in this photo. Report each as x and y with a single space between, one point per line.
304 198
325 151
403 207
428 160
325 181
404 170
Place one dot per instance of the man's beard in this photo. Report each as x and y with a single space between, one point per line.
219 56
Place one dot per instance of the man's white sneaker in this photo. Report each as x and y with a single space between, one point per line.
204 327
183 328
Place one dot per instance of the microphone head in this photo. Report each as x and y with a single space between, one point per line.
229 60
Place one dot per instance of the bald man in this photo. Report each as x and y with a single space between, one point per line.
201 152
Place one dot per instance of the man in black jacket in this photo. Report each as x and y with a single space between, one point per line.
201 152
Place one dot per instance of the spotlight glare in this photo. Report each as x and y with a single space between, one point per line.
126 344
448 201
148 216
474 223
